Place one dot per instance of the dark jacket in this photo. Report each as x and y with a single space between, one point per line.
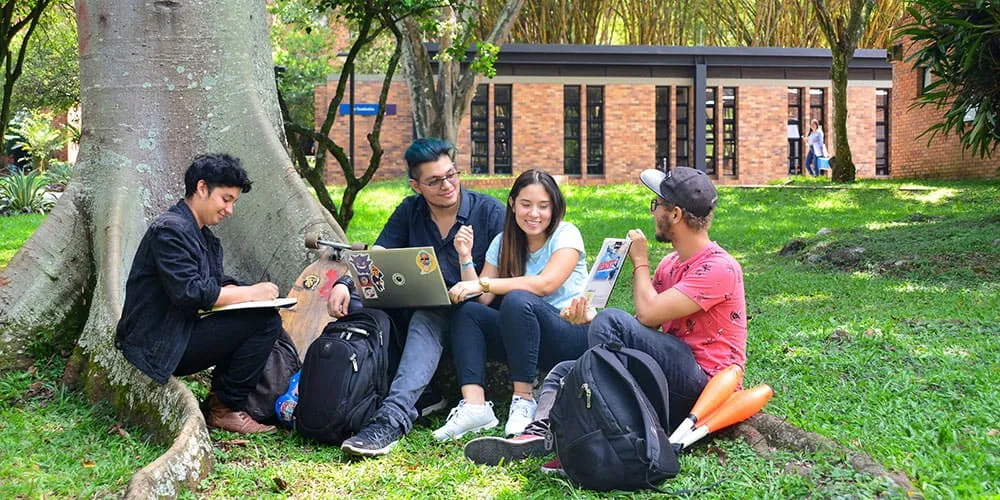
177 271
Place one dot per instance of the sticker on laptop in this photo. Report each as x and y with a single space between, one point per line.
368 273
398 279
369 292
426 262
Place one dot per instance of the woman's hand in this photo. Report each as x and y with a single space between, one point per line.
338 301
579 312
464 290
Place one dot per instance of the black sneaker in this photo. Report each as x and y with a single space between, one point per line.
430 401
375 439
494 450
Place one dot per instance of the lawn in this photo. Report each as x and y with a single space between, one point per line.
882 333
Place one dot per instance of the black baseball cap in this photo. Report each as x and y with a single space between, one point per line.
685 187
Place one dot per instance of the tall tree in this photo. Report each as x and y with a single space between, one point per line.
555 21
18 20
843 28
371 20
439 103
51 76
960 43
161 82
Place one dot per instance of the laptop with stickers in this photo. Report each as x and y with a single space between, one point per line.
398 277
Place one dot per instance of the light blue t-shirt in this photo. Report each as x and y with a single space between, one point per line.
565 236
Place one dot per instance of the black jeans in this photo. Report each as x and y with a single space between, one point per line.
237 344
685 378
525 331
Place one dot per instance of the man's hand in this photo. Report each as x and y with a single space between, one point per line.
463 244
464 290
579 312
264 290
338 301
639 251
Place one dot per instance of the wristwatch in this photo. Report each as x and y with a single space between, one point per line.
484 283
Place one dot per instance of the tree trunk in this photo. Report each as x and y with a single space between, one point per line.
843 165
161 81
438 106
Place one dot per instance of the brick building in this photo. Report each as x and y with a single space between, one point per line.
912 156
600 114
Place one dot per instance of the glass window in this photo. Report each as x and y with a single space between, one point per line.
882 100
663 128
796 130
682 122
729 131
595 130
480 130
710 107
502 132
571 129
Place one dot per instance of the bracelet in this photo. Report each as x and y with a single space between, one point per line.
468 264
636 268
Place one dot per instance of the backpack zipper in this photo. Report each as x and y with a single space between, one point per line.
354 361
585 389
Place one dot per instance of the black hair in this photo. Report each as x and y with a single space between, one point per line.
426 150
216 169
514 243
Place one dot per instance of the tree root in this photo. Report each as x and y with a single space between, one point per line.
767 433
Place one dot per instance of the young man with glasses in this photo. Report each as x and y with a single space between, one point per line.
690 316
459 224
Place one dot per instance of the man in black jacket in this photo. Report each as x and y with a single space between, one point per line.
177 271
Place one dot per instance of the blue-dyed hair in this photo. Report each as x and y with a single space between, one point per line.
426 150
216 169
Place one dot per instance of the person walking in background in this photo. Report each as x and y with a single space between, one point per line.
815 143
538 265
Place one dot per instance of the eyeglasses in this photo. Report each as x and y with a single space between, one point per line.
657 203
438 182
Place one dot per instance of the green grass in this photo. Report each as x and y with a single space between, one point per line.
14 230
910 376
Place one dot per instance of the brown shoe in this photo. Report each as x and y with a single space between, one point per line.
222 417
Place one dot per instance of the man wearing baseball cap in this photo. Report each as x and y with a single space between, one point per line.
690 316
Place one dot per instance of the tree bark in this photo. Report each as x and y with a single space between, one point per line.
161 81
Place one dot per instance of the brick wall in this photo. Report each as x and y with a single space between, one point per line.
911 156
629 128
762 135
537 124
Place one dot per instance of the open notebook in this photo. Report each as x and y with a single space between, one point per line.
604 273
253 304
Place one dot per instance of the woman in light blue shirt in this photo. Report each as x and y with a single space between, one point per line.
538 265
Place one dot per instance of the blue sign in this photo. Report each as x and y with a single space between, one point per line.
365 109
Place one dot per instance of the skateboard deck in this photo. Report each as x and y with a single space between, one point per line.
306 321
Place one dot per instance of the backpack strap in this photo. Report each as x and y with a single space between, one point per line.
648 411
651 380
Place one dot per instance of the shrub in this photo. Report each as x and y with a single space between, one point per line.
24 193
58 175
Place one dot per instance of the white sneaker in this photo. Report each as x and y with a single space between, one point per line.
522 413
467 418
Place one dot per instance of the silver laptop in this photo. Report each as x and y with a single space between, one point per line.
398 277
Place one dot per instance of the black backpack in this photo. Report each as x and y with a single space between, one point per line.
281 364
344 377
608 421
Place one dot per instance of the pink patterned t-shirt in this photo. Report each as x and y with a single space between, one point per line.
717 334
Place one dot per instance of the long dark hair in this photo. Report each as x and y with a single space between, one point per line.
514 247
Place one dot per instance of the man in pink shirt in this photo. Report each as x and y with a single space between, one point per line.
690 316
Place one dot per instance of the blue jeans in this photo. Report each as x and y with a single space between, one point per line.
525 331
685 378
811 166
421 353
